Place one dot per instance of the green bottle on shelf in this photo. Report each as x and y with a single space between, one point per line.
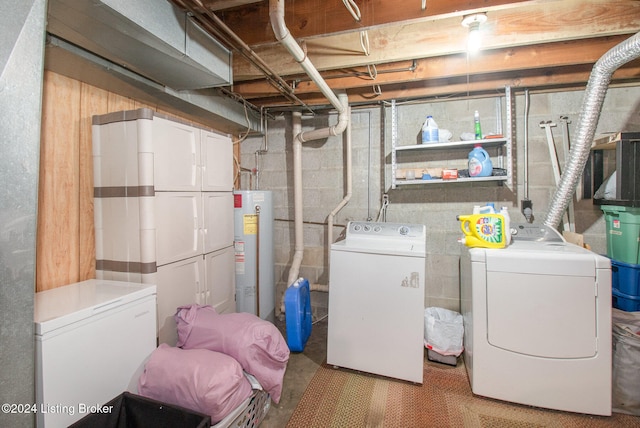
478 129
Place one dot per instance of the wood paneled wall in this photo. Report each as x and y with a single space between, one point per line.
65 250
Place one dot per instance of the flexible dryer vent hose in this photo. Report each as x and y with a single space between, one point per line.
594 95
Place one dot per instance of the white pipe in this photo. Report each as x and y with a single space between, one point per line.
319 287
343 120
347 196
276 14
297 198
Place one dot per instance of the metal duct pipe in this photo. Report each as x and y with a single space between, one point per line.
276 14
589 116
216 27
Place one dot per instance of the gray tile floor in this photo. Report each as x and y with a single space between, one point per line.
300 369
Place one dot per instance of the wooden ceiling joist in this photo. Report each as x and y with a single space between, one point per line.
574 77
416 53
308 19
559 54
533 23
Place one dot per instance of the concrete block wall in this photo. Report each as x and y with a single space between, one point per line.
434 205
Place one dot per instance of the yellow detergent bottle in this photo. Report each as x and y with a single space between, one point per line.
483 230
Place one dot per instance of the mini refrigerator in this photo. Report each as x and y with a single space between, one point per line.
91 340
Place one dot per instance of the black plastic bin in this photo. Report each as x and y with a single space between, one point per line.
134 411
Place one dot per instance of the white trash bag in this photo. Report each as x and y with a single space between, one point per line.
626 362
443 331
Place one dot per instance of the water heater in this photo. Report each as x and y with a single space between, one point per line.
255 277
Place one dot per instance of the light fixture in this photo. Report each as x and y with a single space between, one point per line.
473 23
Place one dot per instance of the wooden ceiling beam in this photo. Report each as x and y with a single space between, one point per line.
311 18
559 54
531 23
566 77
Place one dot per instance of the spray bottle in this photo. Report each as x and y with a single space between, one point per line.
476 125
483 230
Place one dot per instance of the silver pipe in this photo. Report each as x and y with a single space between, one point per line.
265 139
586 127
216 27
526 144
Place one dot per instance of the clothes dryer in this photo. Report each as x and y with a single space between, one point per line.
537 318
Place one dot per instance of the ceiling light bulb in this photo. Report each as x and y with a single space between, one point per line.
474 37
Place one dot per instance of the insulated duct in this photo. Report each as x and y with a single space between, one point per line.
152 38
589 116
276 14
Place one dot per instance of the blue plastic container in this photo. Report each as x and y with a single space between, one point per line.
297 306
479 162
625 286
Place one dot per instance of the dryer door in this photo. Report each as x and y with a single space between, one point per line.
552 316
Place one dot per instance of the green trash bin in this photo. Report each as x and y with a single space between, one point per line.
623 233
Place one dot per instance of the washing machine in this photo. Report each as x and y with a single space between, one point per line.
537 319
376 300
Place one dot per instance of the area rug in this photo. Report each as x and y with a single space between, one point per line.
343 398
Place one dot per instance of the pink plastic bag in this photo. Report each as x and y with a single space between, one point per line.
197 379
255 343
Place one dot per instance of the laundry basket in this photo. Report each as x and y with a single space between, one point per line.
250 413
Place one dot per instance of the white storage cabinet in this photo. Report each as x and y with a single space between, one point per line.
163 206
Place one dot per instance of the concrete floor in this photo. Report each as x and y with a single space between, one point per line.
300 369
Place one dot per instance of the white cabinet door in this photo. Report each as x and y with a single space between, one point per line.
217 162
220 287
218 220
177 285
178 224
116 221
115 154
176 151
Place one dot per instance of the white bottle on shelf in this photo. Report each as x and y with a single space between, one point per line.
430 132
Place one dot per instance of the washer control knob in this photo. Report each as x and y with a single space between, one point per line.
367 228
403 230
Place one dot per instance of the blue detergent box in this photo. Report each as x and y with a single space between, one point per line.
625 285
297 306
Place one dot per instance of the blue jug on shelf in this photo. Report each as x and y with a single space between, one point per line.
479 162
